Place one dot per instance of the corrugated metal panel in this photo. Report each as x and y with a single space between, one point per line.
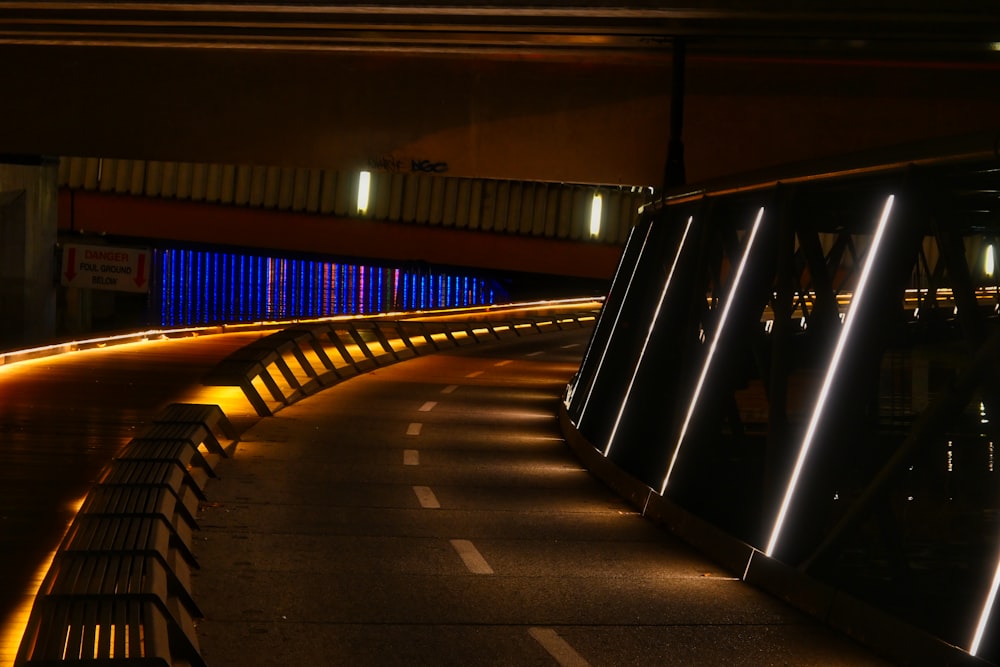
199 181
328 192
538 209
346 193
564 223
272 186
475 204
108 175
424 189
408 206
436 213
552 210
313 190
580 218
396 189
463 198
137 180
450 202
243 185
491 198
213 183
227 184
185 178
285 195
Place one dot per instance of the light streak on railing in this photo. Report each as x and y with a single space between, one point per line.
730 299
611 335
830 374
649 334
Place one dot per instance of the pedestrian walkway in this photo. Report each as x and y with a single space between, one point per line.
429 513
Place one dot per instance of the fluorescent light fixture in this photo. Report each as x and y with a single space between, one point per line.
596 207
364 190
830 374
990 264
649 334
614 326
712 348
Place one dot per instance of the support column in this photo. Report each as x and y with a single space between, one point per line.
28 226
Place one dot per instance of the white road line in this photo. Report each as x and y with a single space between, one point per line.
474 374
450 388
535 354
426 497
471 557
569 347
428 406
557 647
411 457
502 363
414 428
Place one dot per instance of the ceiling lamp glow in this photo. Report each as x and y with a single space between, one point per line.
831 373
596 207
712 348
649 334
364 190
990 264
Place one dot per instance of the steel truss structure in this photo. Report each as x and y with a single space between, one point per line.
811 363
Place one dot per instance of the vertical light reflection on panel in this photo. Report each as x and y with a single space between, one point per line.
649 334
720 327
830 374
597 324
185 297
611 334
984 616
166 275
361 288
380 302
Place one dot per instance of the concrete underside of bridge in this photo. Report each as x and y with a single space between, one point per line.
577 119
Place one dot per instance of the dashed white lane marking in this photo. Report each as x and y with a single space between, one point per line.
470 555
428 406
426 497
411 457
557 647
414 428
569 347
474 374
502 363
450 388
535 354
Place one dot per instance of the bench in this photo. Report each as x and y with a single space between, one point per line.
155 473
145 501
208 415
180 452
131 630
240 369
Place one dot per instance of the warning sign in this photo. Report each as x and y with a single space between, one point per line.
106 267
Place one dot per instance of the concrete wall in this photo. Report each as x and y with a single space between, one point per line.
28 219
580 120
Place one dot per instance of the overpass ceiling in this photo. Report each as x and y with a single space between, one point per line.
956 30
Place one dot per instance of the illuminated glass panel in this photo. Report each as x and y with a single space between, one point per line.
730 299
611 335
649 334
831 374
201 287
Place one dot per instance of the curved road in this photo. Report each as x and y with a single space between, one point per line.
430 513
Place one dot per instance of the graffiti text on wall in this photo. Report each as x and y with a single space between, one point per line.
402 165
